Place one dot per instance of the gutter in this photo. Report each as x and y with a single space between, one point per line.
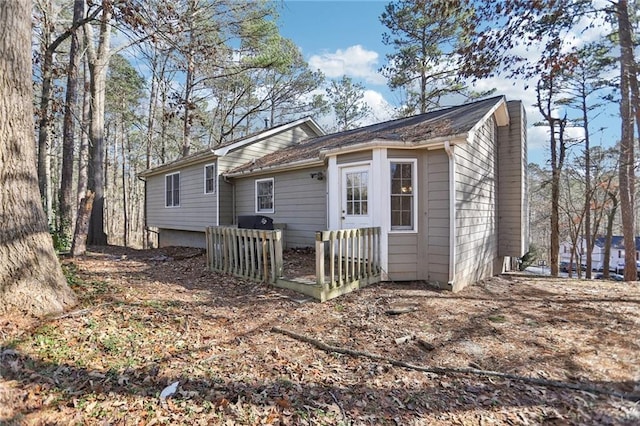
449 149
433 143
302 164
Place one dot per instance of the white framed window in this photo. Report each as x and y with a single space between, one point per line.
210 179
264 196
403 200
172 190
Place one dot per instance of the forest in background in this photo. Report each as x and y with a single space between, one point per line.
122 86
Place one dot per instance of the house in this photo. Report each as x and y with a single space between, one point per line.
616 255
448 190
185 196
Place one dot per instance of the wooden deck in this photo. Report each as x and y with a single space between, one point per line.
345 260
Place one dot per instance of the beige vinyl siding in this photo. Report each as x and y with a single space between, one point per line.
355 157
476 206
403 257
261 148
300 203
197 210
403 248
513 213
434 262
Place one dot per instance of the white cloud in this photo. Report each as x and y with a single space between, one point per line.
354 61
381 110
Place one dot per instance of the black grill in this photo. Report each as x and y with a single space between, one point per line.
255 222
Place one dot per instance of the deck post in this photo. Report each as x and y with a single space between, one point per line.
319 258
277 247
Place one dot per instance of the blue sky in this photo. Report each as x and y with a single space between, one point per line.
345 37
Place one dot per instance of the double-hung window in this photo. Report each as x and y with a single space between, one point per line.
403 195
172 190
264 196
210 179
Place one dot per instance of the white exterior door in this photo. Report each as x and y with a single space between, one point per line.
355 206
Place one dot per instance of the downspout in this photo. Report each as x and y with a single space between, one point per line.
449 149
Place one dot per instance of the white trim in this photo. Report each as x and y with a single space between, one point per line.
380 197
415 192
214 177
452 212
333 194
172 189
273 195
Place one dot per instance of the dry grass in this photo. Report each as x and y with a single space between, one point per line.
149 319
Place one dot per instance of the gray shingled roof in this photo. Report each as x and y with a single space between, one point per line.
210 153
416 129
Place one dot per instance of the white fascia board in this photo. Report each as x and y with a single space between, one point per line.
502 116
268 133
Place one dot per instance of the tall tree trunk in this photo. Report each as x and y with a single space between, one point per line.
125 217
31 279
186 124
558 152
611 217
83 151
44 120
588 193
98 66
151 120
627 151
68 132
79 246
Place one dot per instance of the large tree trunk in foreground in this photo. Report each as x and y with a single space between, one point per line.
31 279
627 151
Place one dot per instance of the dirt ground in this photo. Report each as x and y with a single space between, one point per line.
561 351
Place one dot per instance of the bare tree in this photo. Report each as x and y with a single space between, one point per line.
65 227
628 95
547 91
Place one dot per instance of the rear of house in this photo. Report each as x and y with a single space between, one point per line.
448 190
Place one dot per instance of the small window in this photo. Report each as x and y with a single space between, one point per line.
619 254
403 196
172 190
264 196
210 179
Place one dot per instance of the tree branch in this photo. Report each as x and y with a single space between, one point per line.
451 370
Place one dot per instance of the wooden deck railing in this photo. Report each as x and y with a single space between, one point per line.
346 259
247 253
353 257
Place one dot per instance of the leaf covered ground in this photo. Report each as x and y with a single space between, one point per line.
148 319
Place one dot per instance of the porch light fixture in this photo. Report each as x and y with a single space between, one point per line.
317 175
